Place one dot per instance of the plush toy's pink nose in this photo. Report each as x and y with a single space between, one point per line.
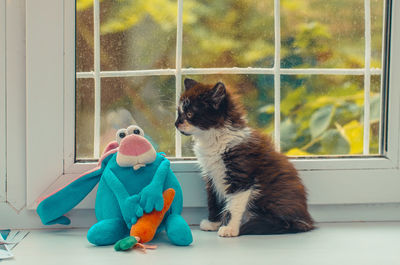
134 145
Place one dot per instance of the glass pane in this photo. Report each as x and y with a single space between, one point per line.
322 115
146 101
255 92
228 33
84 36
376 32
84 120
138 34
375 114
320 33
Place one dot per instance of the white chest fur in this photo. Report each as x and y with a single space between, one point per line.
209 147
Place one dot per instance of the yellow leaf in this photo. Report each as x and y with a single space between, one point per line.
83 4
354 133
359 98
269 109
297 152
293 5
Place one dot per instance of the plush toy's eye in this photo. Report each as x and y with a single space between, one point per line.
121 133
133 129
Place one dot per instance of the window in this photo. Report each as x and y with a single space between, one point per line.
312 79
329 181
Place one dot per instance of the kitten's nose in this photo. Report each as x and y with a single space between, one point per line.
178 122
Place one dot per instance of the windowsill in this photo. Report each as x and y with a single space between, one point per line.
325 187
331 243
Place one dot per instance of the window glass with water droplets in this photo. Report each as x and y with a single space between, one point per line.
321 109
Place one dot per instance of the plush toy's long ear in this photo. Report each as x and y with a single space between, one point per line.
111 146
51 209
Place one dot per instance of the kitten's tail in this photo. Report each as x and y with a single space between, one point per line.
262 226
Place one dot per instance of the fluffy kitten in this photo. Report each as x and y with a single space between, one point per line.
252 189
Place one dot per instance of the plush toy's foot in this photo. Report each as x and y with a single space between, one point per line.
107 232
178 230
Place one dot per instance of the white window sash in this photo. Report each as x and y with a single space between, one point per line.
367 75
45 96
277 75
234 70
3 140
329 181
178 74
15 104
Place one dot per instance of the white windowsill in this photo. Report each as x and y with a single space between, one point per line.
331 243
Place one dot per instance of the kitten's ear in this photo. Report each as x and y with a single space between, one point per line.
189 83
219 93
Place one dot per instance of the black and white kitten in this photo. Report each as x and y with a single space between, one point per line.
252 189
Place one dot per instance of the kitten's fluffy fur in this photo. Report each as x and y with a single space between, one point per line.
252 189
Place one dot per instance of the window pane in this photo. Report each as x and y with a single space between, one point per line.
138 34
84 120
256 93
376 32
146 101
319 33
375 114
84 36
228 33
323 115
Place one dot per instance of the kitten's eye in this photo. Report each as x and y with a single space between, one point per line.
189 115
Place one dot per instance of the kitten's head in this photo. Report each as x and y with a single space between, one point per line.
202 107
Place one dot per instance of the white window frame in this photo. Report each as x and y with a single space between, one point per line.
3 140
13 126
47 124
319 175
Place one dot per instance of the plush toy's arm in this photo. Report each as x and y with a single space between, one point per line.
116 186
151 196
172 182
129 205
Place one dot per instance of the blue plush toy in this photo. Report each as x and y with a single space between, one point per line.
132 178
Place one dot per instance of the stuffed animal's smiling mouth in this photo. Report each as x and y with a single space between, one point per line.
135 151
136 161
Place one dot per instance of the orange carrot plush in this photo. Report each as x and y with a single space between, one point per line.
145 228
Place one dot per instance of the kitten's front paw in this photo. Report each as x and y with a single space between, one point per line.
207 225
228 231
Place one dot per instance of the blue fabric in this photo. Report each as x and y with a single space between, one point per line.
107 232
4 233
52 209
123 195
178 230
